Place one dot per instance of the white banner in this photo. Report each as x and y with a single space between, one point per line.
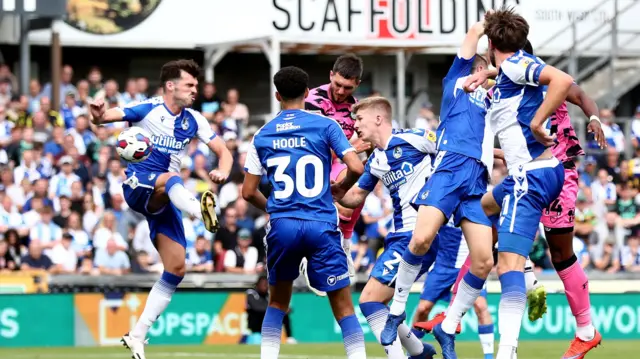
398 23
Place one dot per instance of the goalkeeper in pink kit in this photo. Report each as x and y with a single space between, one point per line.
334 100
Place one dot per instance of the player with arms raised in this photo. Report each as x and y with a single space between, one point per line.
402 161
335 101
558 218
154 188
460 179
517 115
295 151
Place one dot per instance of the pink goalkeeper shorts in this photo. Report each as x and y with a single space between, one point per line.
561 213
346 224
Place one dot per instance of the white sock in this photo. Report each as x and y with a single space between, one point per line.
463 301
377 321
486 340
157 302
510 311
409 340
529 275
586 333
184 200
407 274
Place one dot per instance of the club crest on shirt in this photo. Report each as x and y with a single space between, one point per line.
397 152
185 124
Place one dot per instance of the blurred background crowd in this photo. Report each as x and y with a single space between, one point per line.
62 208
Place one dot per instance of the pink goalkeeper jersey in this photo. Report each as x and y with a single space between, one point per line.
319 100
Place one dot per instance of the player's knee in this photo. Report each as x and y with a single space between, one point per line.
424 308
177 269
482 265
341 303
509 262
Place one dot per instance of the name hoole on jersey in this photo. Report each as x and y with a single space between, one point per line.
403 169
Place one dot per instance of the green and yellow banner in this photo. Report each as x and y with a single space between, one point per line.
32 320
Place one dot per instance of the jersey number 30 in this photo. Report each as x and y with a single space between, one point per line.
282 163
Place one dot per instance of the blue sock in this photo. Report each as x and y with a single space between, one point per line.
410 258
418 333
511 309
485 332
271 332
473 281
352 336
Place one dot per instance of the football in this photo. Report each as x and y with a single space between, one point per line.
134 144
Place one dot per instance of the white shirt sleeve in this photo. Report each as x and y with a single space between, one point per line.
230 259
252 163
525 71
205 133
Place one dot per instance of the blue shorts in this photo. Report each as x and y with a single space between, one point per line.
291 239
523 195
439 283
138 189
386 268
456 188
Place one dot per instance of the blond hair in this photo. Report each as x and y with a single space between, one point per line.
378 103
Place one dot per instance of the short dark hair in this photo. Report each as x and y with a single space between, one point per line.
528 48
506 30
348 66
172 70
480 60
291 82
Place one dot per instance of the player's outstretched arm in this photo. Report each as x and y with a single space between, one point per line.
251 194
225 161
354 197
558 83
469 45
578 97
478 78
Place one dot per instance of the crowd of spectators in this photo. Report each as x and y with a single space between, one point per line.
62 207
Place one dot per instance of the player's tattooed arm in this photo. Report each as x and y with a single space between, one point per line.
251 194
578 97
559 84
354 197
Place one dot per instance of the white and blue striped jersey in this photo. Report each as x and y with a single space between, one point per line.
403 166
516 98
294 150
170 133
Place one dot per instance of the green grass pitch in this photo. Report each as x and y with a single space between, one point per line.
466 350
